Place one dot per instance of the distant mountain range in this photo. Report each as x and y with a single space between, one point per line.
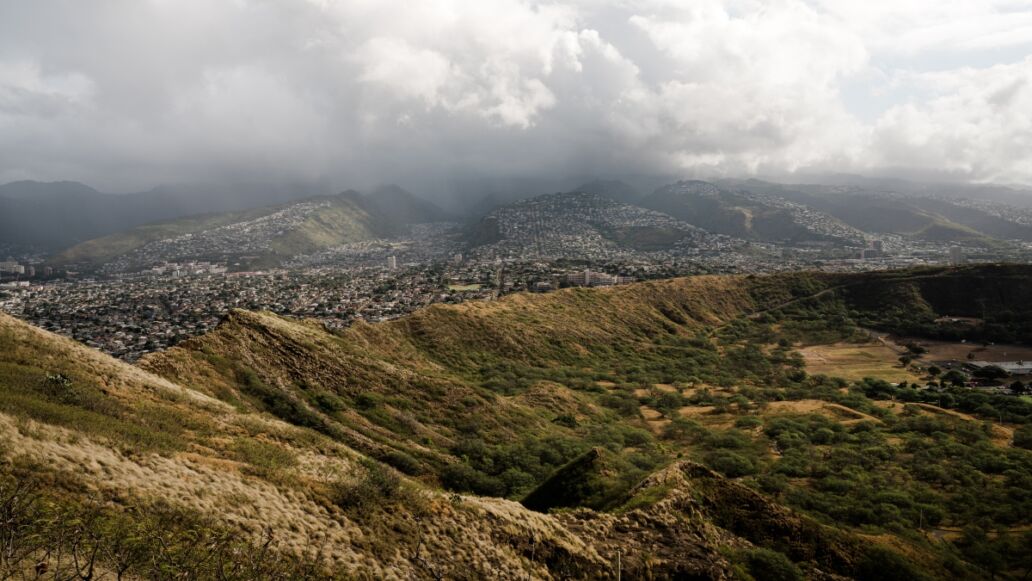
265 235
921 216
81 224
56 215
743 214
750 210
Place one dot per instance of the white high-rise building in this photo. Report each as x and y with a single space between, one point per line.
392 262
957 256
11 267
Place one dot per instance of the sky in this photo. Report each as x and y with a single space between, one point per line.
127 94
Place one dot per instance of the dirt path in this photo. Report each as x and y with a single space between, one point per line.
815 406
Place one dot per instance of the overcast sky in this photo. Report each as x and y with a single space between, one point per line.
126 94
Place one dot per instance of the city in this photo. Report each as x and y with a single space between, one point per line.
141 302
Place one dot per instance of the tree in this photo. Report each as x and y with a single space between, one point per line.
955 377
934 371
1023 437
990 372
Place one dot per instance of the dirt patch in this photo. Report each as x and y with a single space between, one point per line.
944 351
696 410
705 414
654 419
855 361
649 413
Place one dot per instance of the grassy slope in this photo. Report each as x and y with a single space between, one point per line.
344 221
448 374
169 461
135 439
416 392
108 247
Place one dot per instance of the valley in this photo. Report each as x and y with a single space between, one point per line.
687 406
515 290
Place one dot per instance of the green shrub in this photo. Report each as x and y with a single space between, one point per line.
1023 437
328 402
263 456
748 422
730 464
881 564
767 565
403 462
376 486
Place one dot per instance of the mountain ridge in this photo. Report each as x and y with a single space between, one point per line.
372 438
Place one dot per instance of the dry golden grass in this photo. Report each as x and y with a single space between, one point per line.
854 362
833 411
479 537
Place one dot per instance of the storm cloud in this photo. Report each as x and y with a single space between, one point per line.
126 94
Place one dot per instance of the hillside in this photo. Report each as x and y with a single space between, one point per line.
615 190
676 415
578 224
745 215
399 206
156 477
57 215
266 235
883 210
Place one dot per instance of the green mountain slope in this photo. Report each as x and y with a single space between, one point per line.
108 470
109 247
678 411
883 211
270 233
737 213
576 224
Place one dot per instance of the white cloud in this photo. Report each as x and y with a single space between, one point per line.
366 90
978 123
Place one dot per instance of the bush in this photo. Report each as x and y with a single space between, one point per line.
377 485
465 478
403 462
748 422
329 403
881 564
731 464
1023 437
768 565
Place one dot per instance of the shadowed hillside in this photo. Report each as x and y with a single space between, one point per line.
267 234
